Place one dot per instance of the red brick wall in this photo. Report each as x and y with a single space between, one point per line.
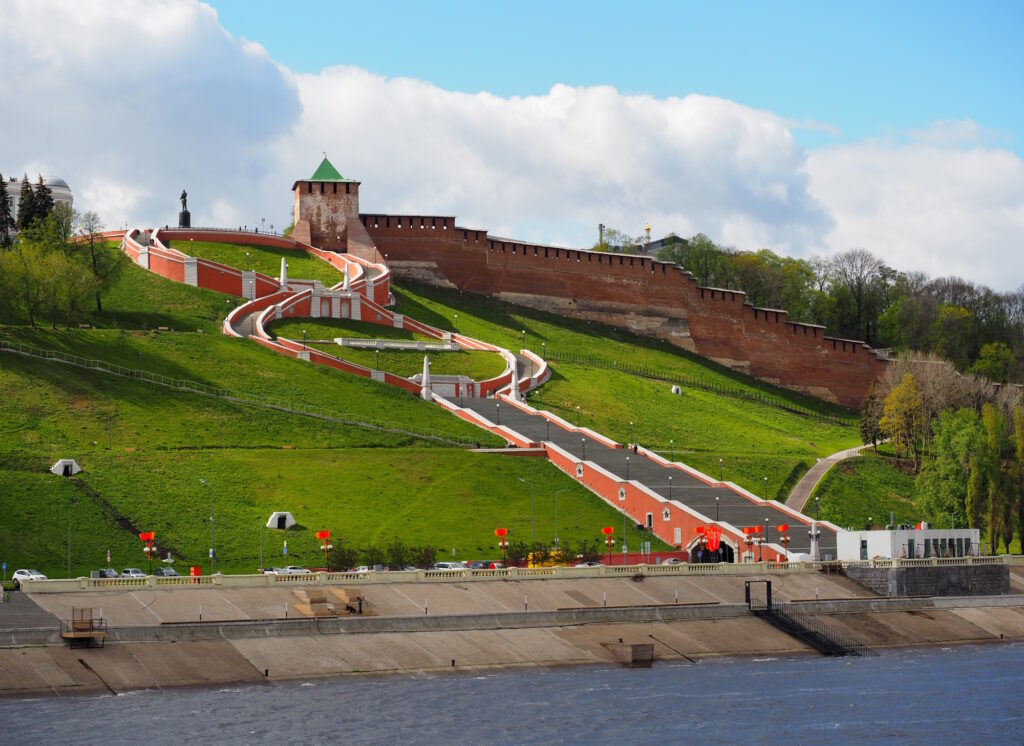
327 208
636 292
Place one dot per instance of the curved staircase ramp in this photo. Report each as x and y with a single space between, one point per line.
732 507
521 424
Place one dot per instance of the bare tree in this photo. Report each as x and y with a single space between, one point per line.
857 270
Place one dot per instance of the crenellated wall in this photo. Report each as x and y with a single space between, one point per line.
639 293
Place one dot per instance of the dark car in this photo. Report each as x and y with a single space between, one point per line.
106 572
165 572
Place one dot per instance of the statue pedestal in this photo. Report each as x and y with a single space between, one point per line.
184 219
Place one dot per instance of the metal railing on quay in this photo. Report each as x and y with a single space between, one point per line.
452 575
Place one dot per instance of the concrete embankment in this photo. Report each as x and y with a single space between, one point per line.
463 627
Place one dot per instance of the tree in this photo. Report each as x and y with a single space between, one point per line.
943 485
871 412
994 362
995 436
106 263
373 555
22 268
423 557
540 555
343 557
856 271
26 204
589 550
975 493
398 554
951 332
43 203
516 553
616 241
901 418
1018 442
7 221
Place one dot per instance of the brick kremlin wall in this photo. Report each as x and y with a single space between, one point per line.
641 294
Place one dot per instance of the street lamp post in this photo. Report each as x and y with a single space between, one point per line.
533 524
627 478
497 412
766 489
630 431
456 324
817 515
672 448
303 340
564 489
213 550
583 443
716 508
524 339
719 470
577 415
670 488
544 350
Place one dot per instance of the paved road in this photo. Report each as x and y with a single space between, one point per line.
730 507
802 492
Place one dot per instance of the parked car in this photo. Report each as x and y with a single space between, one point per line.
591 563
449 566
165 572
673 561
20 575
485 565
106 572
293 570
132 572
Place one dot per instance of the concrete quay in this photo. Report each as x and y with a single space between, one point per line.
156 639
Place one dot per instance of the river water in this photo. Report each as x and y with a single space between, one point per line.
965 694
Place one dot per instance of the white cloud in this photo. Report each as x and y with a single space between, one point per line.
131 101
148 96
941 208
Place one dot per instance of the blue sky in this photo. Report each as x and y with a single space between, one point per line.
868 69
804 128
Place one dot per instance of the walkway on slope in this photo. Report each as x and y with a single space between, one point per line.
730 507
802 492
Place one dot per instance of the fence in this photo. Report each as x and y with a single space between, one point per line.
248 399
755 569
761 397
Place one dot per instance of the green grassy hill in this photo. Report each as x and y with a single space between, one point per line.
753 439
145 448
868 486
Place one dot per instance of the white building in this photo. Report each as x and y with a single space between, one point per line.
60 189
910 543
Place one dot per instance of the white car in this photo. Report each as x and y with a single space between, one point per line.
20 575
673 561
293 570
132 572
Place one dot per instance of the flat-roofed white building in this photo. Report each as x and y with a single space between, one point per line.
908 543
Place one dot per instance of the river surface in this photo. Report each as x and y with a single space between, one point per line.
965 694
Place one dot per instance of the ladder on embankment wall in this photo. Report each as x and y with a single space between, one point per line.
803 627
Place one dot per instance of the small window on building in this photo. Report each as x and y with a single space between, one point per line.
650 520
666 515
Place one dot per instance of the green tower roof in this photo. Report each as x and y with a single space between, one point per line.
326 172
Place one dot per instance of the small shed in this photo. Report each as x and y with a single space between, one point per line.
66 467
281 519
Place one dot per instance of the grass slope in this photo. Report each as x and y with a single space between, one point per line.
753 440
265 259
867 486
445 497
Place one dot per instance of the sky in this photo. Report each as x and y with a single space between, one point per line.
805 128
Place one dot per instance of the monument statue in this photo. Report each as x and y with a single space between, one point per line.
184 218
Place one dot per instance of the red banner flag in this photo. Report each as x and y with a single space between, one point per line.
501 532
714 534
608 530
323 534
147 536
